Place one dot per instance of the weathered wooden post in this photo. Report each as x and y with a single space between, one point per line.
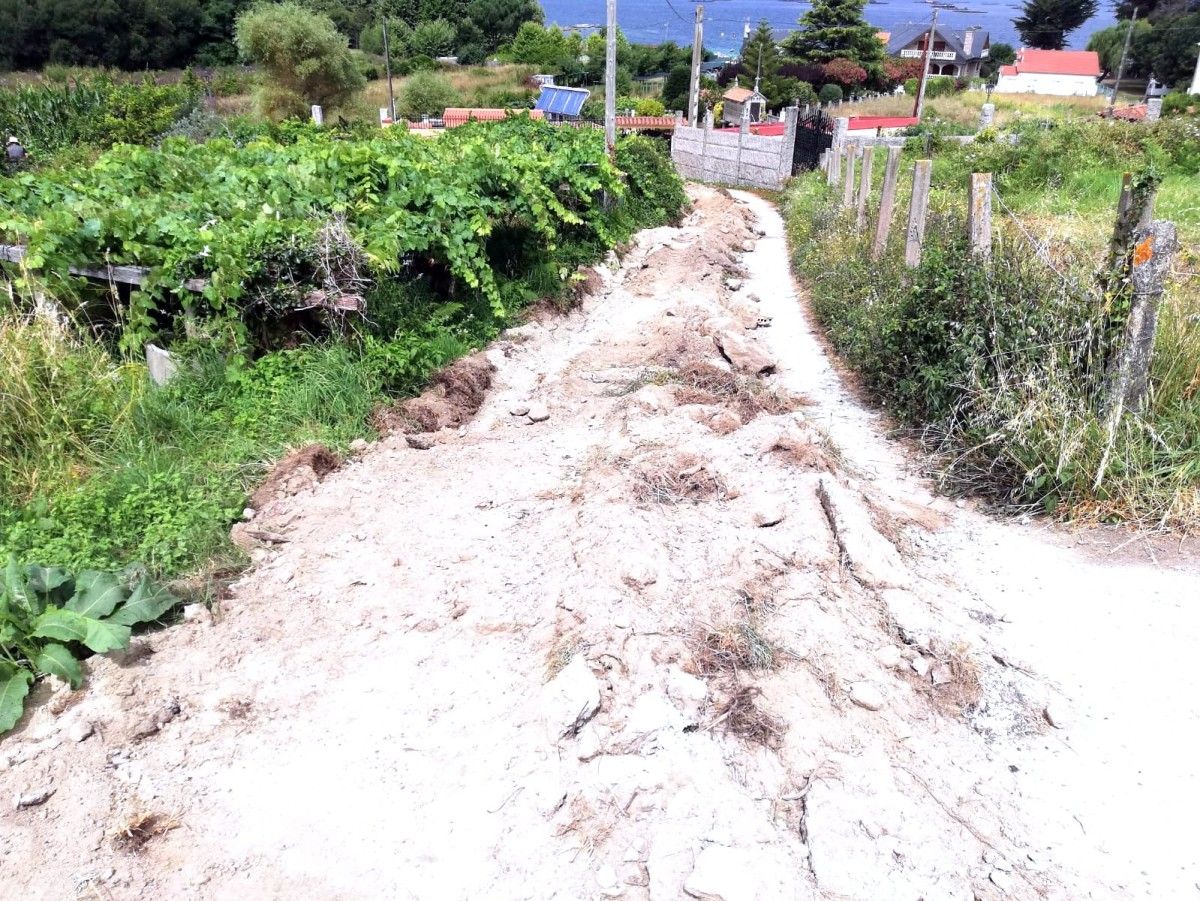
1126 197
848 185
887 202
979 215
918 210
1129 375
864 186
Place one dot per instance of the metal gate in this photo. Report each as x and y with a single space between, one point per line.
814 135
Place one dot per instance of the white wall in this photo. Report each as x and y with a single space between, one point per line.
1060 85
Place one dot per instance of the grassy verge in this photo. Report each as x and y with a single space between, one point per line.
998 368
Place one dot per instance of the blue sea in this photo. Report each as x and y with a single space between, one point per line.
655 21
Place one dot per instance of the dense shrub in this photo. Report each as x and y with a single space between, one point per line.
830 93
305 59
426 94
655 192
650 107
94 113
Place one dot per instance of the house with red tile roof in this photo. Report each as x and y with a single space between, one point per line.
1064 73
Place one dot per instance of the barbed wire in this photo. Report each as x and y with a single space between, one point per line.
1042 250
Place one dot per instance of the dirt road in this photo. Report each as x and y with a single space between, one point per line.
668 617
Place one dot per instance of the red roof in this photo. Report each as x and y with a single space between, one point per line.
1129 113
861 122
738 95
1057 62
1008 70
461 115
649 123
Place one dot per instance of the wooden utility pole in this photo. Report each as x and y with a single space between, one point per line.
610 83
387 64
697 54
920 104
1124 54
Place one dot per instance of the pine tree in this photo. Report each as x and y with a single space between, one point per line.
760 47
836 29
1045 24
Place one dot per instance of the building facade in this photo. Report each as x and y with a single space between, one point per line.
1063 73
958 53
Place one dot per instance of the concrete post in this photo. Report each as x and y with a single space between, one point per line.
848 185
160 364
987 115
787 154
979 215
864 186
887 202
834 171
1153 109
841 125
318 115
918 211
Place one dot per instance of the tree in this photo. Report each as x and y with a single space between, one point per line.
998 55
677 87
1045 24
305 58
836 29
1109 44
499 20
760 49
1173 49
426 94
845 73
830 93
433 38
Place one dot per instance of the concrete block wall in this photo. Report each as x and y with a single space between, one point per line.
735 157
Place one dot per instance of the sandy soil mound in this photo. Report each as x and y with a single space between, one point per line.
665 619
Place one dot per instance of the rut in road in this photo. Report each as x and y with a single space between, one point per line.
652 624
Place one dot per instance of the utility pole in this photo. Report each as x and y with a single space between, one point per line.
697 53
920 104
1124 54
387 62
610 83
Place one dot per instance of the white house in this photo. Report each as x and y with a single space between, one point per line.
1065 73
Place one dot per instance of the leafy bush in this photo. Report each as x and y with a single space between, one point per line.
830 93
650 107
655 191
49 617
94 113
305 58
426 94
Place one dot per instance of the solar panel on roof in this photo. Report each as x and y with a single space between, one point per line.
562 101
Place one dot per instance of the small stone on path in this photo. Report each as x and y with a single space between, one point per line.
518 410
866 695
538 413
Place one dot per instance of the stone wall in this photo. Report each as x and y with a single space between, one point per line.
735 157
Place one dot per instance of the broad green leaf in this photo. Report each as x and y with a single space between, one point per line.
67 625
96 594
57 660
44 579
148 602
14 685
14 585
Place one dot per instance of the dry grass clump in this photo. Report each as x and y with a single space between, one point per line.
140 828
676 478
741 715
703 382
807 453
733 647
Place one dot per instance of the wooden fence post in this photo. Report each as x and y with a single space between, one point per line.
864 186
918 209
848 185
887 202
979 215
1129 375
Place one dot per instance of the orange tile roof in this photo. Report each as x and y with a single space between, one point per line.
646 122
738 95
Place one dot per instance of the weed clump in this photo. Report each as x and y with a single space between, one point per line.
677 478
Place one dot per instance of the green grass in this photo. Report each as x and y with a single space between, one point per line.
988 364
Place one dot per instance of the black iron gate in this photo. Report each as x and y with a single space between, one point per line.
814 135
